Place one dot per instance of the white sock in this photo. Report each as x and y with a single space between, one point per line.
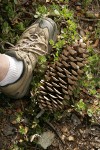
14 72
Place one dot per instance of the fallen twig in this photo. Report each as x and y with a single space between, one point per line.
88 19
40 114
55 131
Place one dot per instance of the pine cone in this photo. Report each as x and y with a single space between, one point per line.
61 79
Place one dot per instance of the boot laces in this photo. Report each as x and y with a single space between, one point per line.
35 44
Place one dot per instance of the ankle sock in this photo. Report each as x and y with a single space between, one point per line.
14 72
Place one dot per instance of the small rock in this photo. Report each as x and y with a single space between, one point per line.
82 33
47 1
85 133
55 143
81 40
9 130
78 4
71 138
78 8
75 119
96 43
46 139
64 129
83 45
81 131
76 149
90 28
63 137
96 102
60 147
97 15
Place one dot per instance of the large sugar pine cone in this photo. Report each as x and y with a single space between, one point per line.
61 78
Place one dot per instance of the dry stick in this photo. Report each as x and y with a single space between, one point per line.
50 125
86 19
55 131
40 114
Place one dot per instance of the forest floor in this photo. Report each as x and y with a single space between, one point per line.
77 128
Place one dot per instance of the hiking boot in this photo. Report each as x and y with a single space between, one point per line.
33 43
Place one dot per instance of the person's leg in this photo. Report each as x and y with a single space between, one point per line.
33 43
10 69
4 66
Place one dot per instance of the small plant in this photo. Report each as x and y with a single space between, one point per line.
58 46
81 107
41 11
23 130
39 72
91 79
86 3
19 117
13 21
68 30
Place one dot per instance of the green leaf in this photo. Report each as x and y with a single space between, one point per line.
5 28
90 112
20 26
81 106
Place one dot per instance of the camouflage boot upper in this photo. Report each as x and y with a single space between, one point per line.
33 43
